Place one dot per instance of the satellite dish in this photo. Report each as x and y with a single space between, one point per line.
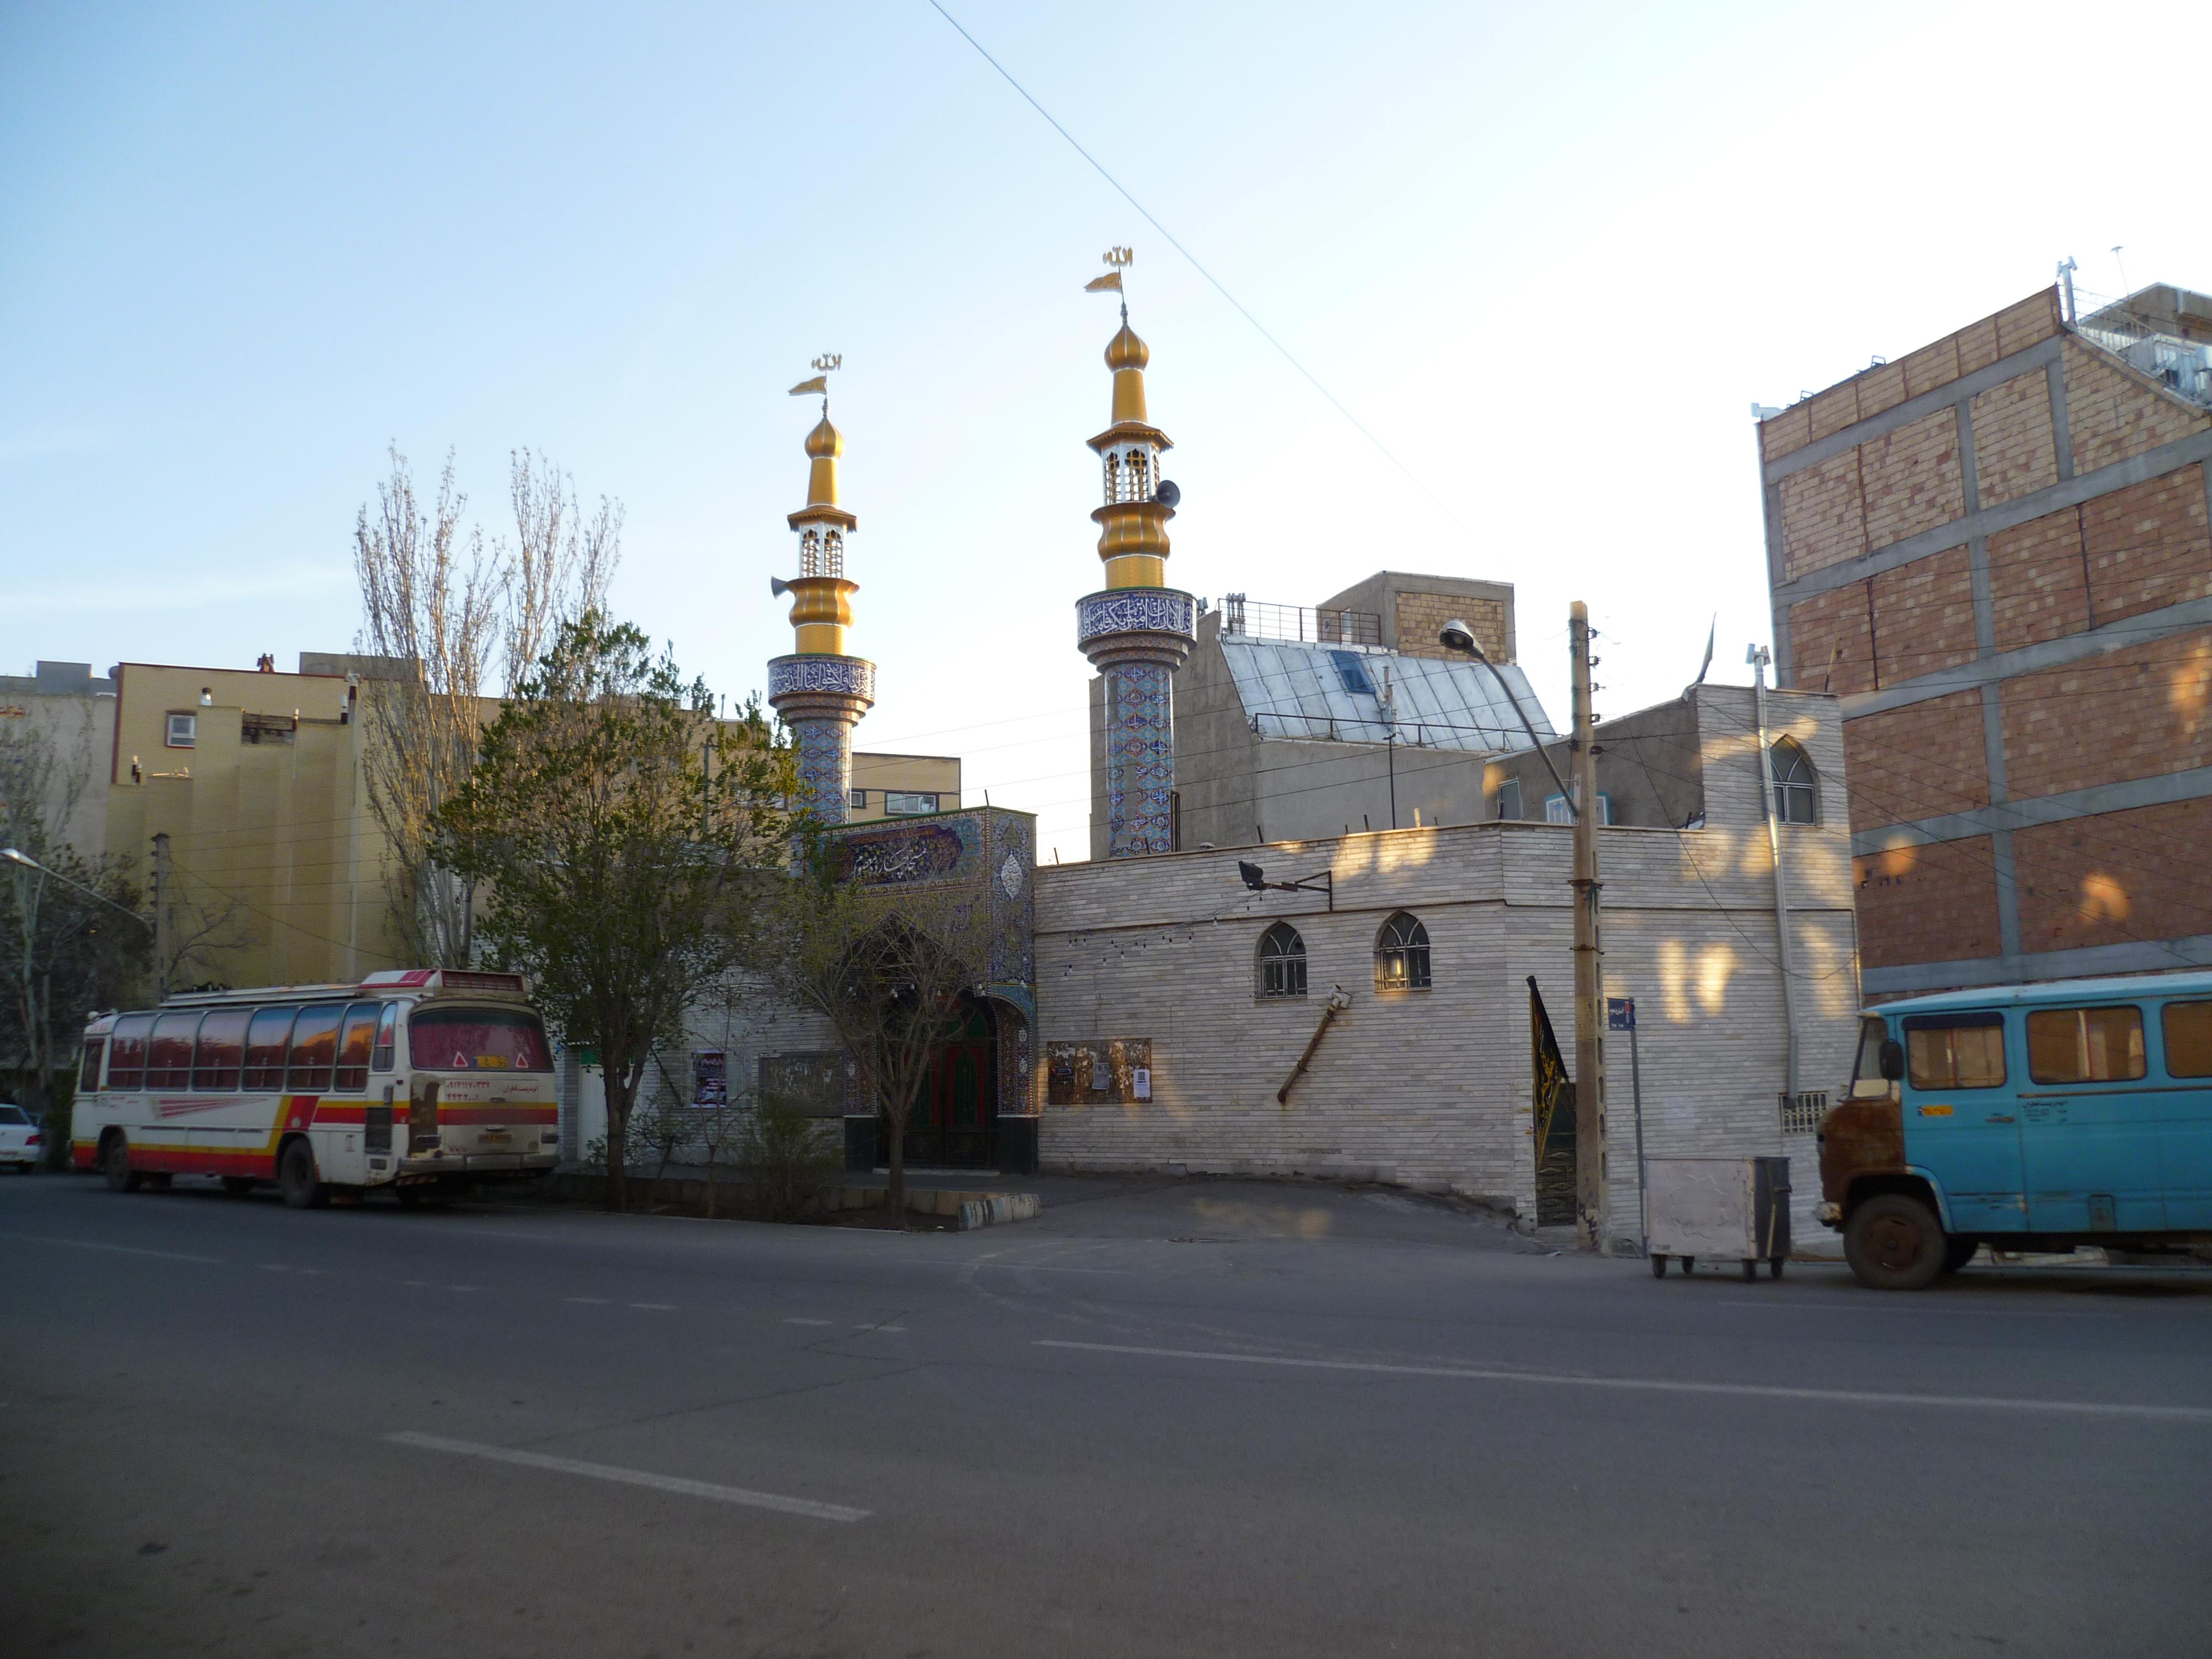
1167 495
777 586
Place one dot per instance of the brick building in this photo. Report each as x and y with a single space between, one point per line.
1995 550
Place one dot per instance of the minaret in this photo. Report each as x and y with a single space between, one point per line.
1137 630
820 692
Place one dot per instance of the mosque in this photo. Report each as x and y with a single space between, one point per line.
1330 885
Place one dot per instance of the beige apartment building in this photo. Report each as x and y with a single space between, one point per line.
274 868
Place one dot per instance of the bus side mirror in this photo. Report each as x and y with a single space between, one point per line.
1893 1059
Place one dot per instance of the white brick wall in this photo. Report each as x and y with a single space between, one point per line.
1432 1089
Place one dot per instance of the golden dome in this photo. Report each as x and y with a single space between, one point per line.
1126 351
825 442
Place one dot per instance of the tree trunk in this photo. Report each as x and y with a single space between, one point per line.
895 1189
621 1096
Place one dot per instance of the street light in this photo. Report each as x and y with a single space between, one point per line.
1456 635
11 855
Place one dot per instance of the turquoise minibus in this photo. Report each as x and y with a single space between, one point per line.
2026 1117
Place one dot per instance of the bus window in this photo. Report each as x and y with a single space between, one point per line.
221 1049
476 1040
1955 1051
126 1067
353 1048
2085 1045
169 1051
388 1028
87 1075
314 1046
2188 1030
267 1039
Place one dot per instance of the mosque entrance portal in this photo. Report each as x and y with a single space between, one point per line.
954 1123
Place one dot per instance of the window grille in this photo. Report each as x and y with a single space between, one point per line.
833 554
1282 962
1401 955
810 553
1801 1113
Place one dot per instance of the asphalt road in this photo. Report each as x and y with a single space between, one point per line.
1207 1419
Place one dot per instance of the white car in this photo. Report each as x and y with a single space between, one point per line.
21 1143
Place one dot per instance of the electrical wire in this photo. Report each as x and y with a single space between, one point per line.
1098 167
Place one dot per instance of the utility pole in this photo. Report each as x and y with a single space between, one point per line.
161 928
1759 656
1592 1228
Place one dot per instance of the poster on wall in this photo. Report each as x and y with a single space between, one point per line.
710 1078
1100 1071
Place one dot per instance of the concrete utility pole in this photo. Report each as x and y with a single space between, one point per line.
161 929
1592 1229
1759 656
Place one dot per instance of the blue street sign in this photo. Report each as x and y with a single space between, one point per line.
1620 1013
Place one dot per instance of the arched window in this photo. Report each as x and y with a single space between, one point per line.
810 553
1401 955
833 553
1113 476
1140 484
1282 963
1797 791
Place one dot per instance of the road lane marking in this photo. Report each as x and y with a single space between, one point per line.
1917 1307
655 1307
806 1322
1663 1385
759 1500
120 1250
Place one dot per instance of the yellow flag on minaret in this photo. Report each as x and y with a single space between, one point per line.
820 383
1111 281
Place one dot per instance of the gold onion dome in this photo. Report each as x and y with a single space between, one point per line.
1126 351
825 442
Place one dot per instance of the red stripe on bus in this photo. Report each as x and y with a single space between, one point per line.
509 1114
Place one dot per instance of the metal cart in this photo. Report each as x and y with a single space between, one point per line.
1725 1209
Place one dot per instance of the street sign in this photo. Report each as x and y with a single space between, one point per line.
1620 1013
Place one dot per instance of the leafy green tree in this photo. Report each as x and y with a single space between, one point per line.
625 834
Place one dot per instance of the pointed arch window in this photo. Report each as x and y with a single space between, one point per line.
833 553
1401 954
810 553
1140 475
1796 787
1113 476
1281 970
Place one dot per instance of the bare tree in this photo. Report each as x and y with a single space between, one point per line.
63 948
445 609
560 563
887 967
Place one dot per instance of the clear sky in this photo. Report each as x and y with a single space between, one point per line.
1549 255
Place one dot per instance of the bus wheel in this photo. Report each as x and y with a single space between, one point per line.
410 1198
1894 1244
295 1178
1957 1252
239 1186
115 1164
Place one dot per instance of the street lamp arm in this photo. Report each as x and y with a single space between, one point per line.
10 855
1506 686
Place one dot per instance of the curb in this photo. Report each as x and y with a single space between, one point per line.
967 1210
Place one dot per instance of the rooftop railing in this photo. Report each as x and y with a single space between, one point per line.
1306 624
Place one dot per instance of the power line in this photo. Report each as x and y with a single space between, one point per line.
1100 167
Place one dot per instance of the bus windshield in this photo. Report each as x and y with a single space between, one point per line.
445 1039
1866 1075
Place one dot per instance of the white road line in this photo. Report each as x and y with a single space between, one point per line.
759 1500
1917 1307
806 1322
1662 1385
118 1249
655 1307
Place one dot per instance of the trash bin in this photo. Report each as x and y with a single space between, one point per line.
1725 1209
